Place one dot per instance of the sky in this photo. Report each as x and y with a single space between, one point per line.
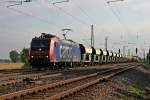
125 23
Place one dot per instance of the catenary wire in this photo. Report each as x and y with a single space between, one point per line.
31 15
89 17
118 18
67 13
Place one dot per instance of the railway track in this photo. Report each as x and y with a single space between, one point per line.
64 88
19 78
27 82
13 78
15 71
43 79
15 74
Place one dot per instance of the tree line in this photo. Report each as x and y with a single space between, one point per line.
23 56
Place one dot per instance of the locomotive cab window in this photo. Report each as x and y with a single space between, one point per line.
40 44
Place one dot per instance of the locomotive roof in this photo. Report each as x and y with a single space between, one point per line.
36 38
44 36
68 41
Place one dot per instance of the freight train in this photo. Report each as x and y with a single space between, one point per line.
49 51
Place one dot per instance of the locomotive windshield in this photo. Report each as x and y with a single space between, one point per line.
42 44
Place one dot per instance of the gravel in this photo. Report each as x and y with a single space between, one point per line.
118 87
65 75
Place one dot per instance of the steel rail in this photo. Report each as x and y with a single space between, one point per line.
48 86
18 79
72 91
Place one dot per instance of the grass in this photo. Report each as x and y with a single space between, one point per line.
137 90
4 66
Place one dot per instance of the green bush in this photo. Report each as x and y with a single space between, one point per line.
25 56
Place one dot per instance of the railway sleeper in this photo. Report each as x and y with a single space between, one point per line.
44 88
79 88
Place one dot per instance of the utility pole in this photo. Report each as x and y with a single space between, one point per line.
124 49
128 52
143 55
106 40
148 56
92 36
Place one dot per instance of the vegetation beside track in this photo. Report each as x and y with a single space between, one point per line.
138 87
136 91
4 66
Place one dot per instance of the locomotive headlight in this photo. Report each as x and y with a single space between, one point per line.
46 56
32 56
